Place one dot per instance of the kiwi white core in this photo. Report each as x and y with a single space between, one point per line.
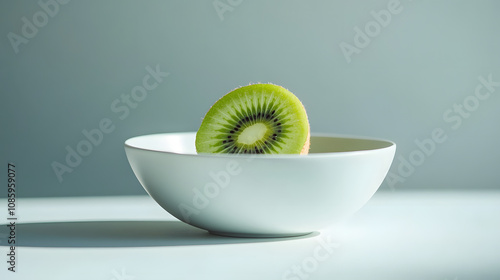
252 134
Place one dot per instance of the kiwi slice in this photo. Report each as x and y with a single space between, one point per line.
255 119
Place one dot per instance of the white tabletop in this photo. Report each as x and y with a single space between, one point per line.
397 235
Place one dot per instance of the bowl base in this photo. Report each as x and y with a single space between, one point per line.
258 235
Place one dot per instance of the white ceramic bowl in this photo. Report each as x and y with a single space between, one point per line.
260 195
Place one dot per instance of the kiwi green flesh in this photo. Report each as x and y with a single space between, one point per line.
255 119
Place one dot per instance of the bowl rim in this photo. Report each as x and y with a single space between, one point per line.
391 145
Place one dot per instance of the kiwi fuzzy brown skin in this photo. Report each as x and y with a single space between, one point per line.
307 145
255 119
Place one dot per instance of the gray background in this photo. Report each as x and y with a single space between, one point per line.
425 60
